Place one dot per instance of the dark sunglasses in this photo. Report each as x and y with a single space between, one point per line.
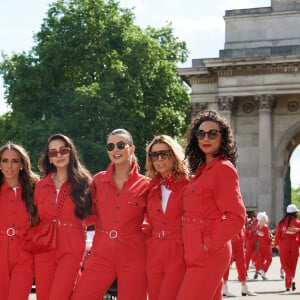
62 151
211 134
120 145
164 154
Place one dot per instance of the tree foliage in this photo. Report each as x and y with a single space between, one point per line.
296 198
93 70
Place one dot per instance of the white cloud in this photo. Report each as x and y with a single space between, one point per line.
240 4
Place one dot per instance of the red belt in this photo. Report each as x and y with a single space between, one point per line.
164 234
68 225
197 220
12 232
114 234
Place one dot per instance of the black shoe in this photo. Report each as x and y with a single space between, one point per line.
255 275
288 290
293 285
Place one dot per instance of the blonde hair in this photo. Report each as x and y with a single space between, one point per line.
262 218
180 164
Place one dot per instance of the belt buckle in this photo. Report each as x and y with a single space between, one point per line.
10 231
57 222
113 234
161 235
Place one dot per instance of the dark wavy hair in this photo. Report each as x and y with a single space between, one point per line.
27 179
288 217
227 149
78 175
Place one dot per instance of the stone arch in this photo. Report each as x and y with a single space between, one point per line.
288 142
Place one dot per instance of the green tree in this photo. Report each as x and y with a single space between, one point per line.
91 71
296 198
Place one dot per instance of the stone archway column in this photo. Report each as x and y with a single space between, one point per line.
226 105
265 104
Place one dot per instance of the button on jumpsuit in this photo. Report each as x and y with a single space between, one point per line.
119 249
16 265
165 262
213 213
56 271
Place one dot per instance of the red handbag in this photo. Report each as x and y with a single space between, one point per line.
42 237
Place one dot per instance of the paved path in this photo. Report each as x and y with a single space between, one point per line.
273 288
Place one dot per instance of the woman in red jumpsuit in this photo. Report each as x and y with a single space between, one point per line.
168 172
264 252
56 270
213 207
251 239
287 239
17 213
119 198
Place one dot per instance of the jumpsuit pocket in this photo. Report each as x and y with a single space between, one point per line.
193 246
139 203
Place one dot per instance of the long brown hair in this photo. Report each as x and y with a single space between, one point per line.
27 179
78 175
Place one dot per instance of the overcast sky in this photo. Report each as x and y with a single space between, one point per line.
199 23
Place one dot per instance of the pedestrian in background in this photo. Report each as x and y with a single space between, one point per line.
287 239
119 197
17 214
238 255
169 173
264 251
66 185
251 240
213 207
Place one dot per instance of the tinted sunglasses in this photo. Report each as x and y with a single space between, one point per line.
211 134
120 145
164 154
62 151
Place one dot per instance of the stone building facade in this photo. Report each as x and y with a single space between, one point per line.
255 84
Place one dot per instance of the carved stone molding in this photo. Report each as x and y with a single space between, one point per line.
258 69
293 105
248 107
226 103
196 107
203 79
265 102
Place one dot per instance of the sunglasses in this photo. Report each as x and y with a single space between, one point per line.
120 145
211 134
62 151
164 154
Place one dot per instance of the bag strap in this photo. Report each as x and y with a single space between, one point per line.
65 191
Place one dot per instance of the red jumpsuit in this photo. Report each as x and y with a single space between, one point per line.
238 253
56 271
165 262
16 265
213 213
251 239
264 252
119 248
288 242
